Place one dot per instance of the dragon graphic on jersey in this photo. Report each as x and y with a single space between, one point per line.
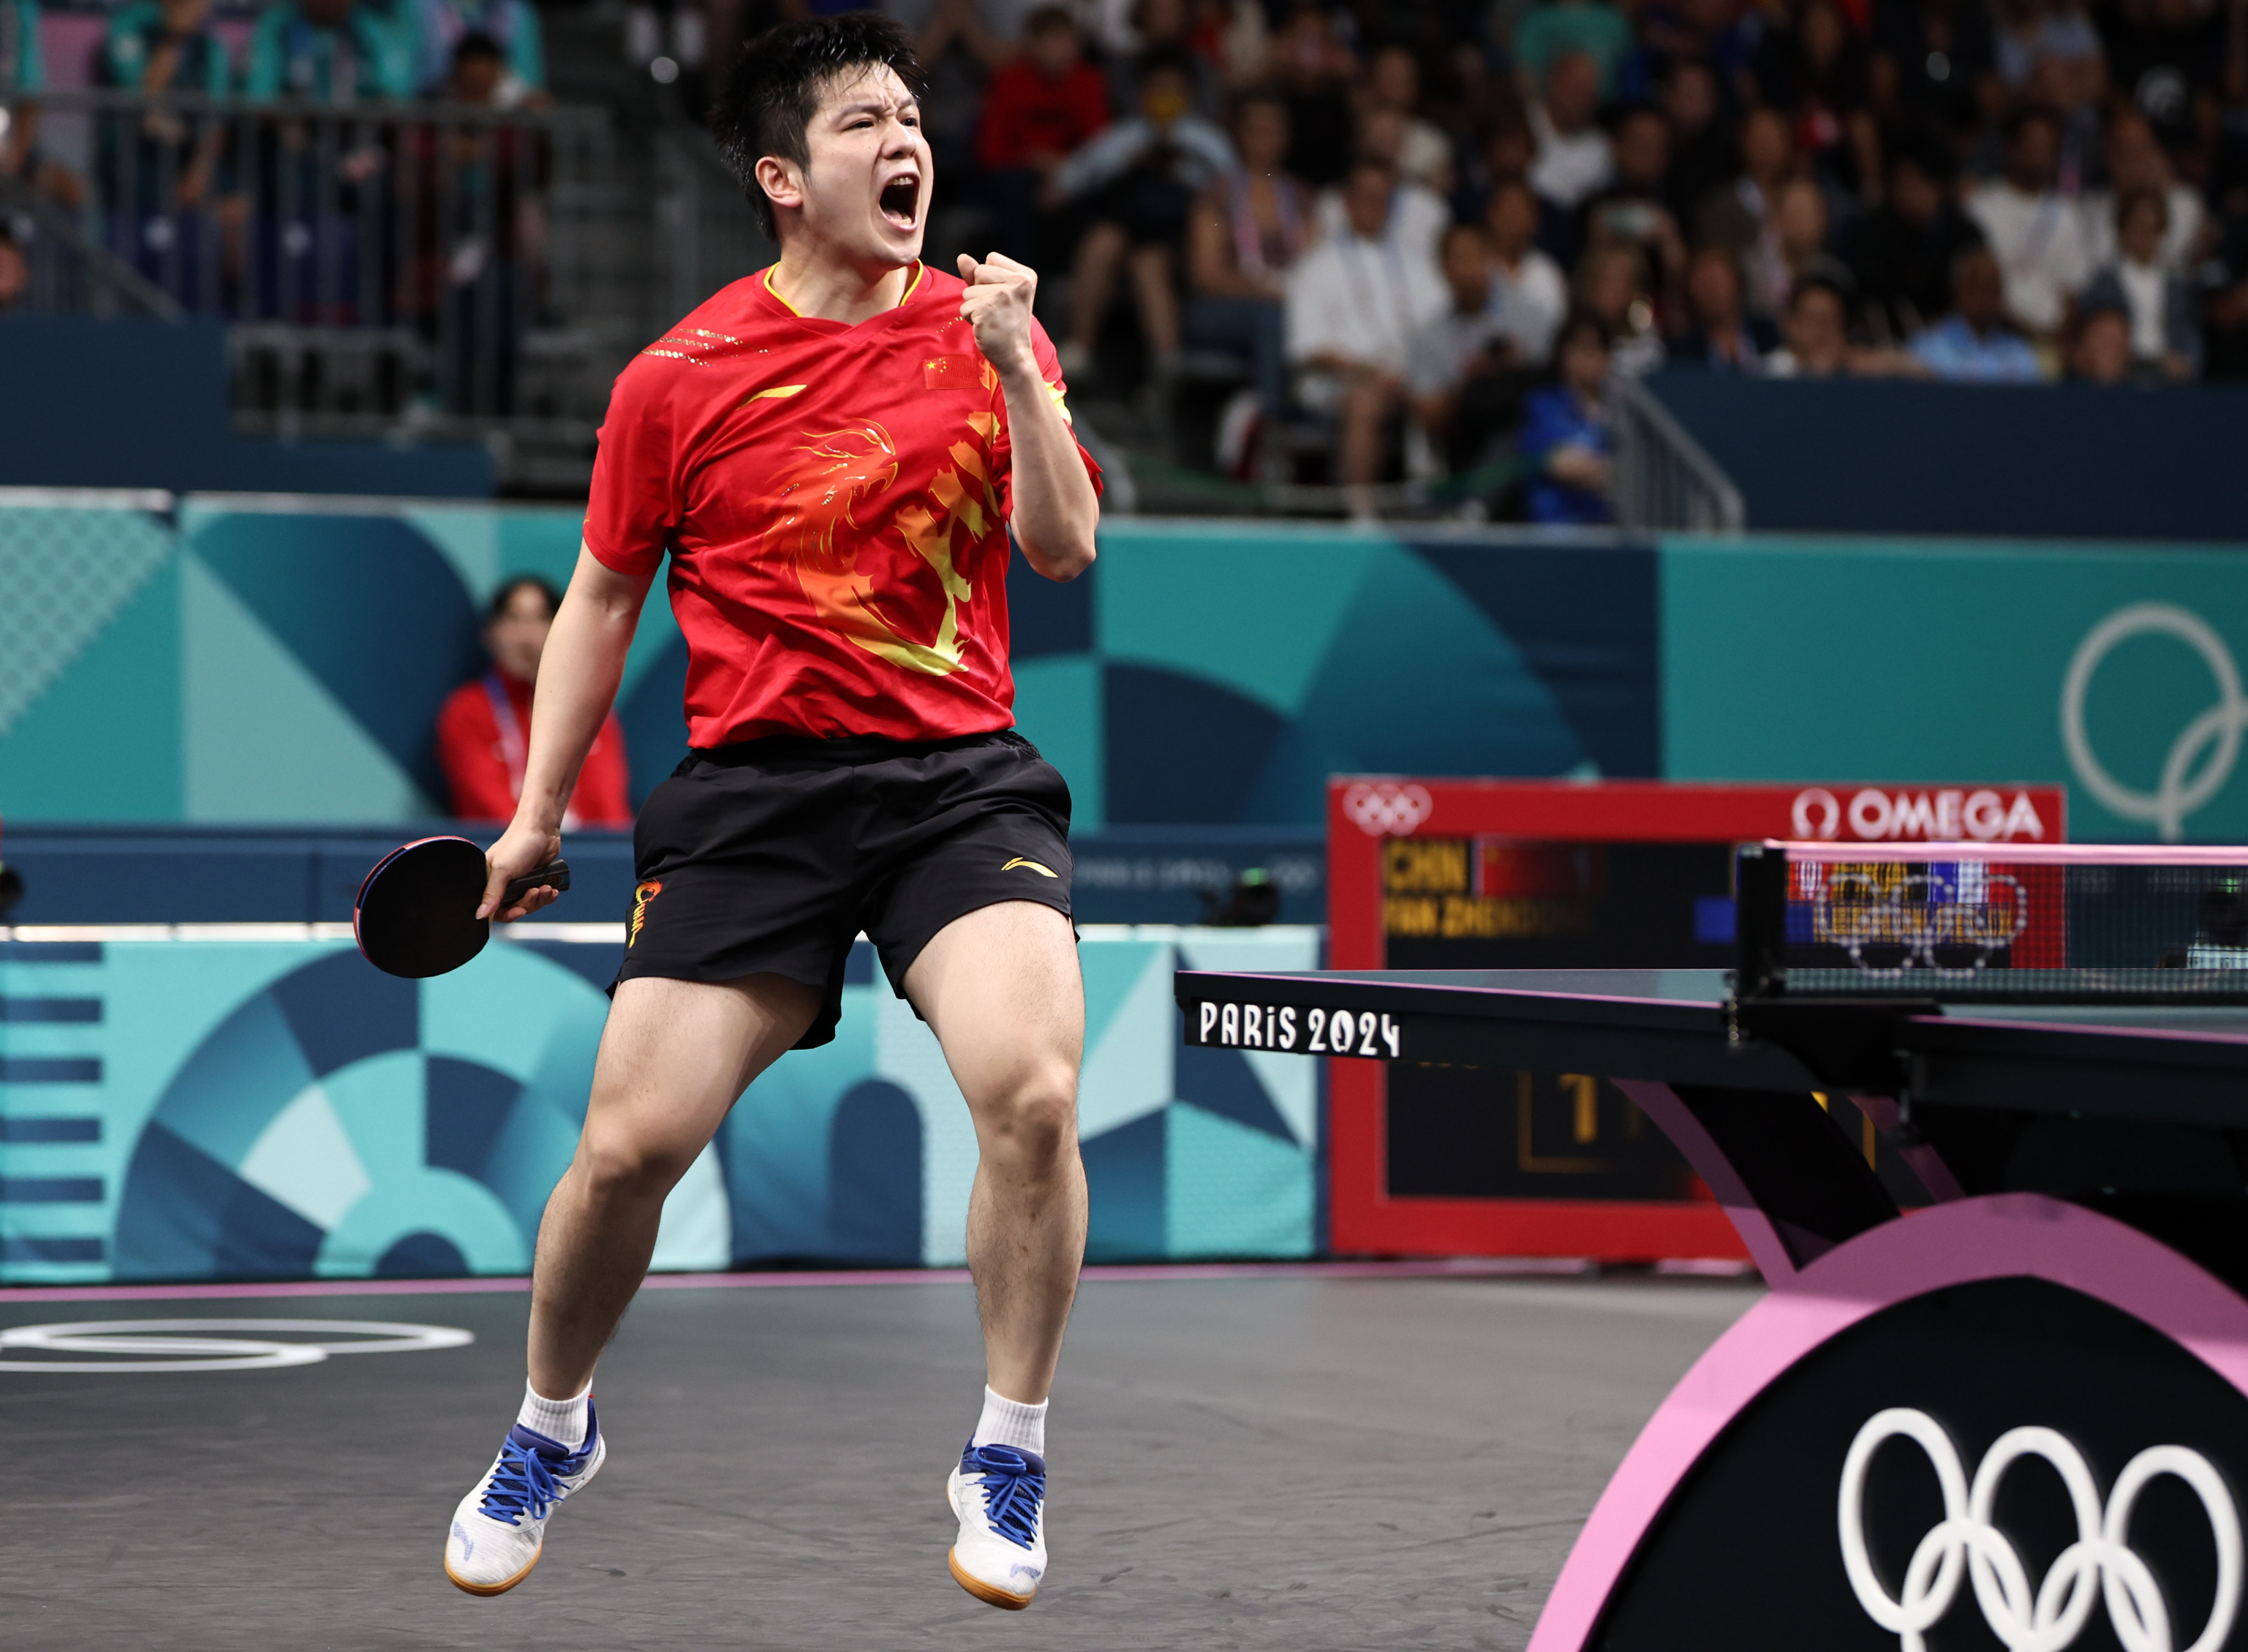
821 482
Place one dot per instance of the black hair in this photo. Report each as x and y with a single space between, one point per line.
1048 20
478 44
1161 59
775 88
2020 121
1580 319
1806 285
496 610
1626 113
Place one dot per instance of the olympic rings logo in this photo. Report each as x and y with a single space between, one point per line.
186 1345
2050 1615
1388 811
2212 739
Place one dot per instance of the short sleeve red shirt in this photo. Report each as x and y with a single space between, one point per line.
834 501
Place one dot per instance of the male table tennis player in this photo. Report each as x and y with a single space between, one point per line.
830 452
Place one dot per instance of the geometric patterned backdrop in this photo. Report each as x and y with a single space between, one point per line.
239 660
276 1108
259 662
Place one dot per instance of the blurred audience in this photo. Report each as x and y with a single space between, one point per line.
483 727
337 51
1976 343
2162 307
1612 286
1393 89
22 75
439 26
1899 254
1529 294
1720 332
1816 327
1634 207
1557 28
2036 236
1574 158
1139 178
2136 160
1459 369
1249 228
160 178
1390 212
1355 303
1041 107
15 272
1567 440
2100 352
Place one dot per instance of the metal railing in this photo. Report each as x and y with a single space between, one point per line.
384 270
1663 478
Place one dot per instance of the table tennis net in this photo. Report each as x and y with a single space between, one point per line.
1994 922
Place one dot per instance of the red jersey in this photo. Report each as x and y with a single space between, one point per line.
834 499
483 749
1024 112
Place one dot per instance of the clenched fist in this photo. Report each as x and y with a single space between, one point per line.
998 304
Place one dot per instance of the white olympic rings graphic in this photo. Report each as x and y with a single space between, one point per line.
185 1344
2050 1615
1394 811
2216 732
1909 914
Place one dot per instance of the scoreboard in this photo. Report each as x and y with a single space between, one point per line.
1426 873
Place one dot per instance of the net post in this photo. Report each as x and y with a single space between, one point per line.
1760 921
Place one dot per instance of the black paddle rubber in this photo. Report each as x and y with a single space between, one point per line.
416 912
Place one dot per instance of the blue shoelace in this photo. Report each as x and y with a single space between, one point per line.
1014 1484
524 1481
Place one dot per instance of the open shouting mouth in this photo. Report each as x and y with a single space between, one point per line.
901 199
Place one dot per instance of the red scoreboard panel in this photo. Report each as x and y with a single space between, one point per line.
1525 875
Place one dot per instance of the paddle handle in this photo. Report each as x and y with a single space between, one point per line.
554 874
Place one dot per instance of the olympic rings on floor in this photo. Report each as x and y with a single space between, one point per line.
184 1345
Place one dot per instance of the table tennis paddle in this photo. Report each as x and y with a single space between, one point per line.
416 913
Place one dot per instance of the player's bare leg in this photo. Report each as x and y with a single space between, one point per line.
1000 987
675 1056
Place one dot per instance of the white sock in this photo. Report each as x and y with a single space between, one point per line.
1011 1422
562 1420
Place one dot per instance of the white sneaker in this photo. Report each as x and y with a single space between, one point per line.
500 1526
999 1492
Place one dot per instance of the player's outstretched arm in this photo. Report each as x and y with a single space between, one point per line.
1056 510
579 673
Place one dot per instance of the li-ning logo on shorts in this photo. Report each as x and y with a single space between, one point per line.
1020 861
646 893
2031 1614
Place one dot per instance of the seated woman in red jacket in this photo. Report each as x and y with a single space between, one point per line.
483 731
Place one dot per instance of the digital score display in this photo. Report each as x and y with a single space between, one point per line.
1429 874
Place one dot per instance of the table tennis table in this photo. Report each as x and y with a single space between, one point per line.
1845 1467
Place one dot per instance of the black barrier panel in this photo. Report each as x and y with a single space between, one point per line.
1751 1553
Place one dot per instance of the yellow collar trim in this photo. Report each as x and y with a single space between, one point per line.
912 286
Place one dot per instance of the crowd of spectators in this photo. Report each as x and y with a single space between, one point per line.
1439 228
263 216
1415 224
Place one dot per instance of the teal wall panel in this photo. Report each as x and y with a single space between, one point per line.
275 1108
1200 673
1952 660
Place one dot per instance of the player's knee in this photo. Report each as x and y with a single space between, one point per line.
1034 1126
618 1165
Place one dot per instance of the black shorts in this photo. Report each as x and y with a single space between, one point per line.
772 856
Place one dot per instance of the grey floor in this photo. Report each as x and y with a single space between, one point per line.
1275 1463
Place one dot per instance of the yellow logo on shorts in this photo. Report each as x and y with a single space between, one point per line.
646 893
1019 861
